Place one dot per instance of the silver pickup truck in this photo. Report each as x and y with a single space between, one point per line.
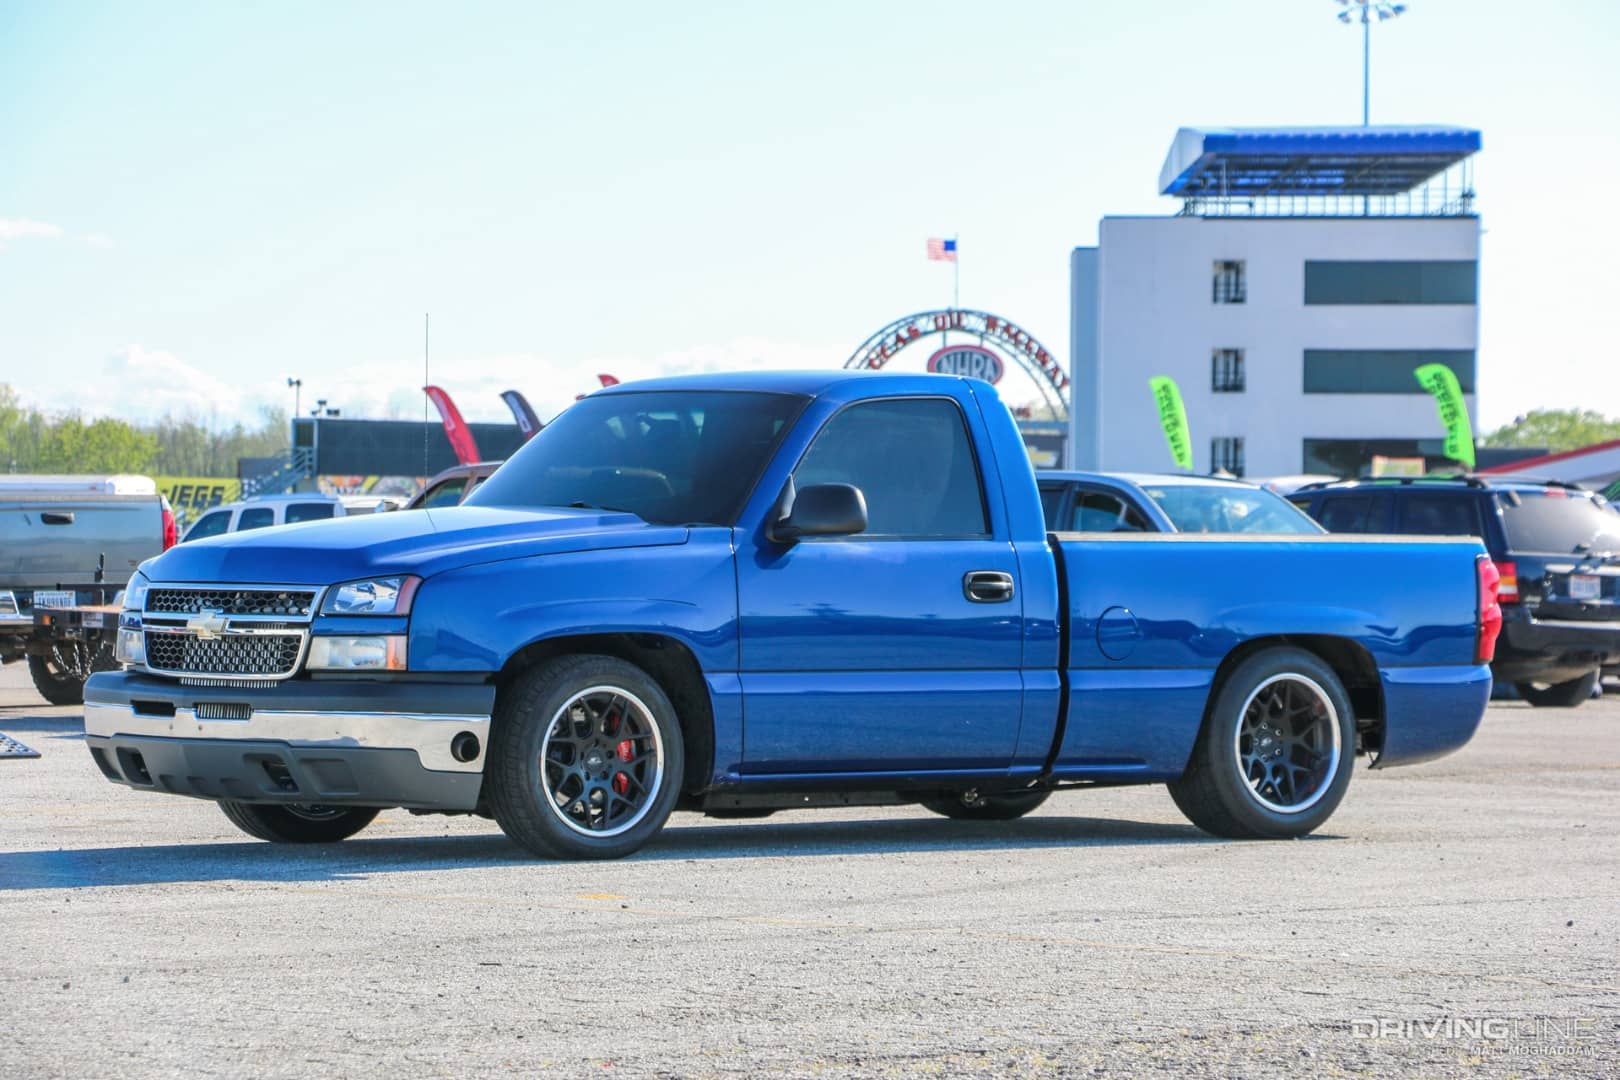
67 546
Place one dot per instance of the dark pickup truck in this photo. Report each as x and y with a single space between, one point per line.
744 593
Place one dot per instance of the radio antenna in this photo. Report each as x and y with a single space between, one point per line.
427 381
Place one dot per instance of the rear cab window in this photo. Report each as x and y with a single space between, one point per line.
1098 511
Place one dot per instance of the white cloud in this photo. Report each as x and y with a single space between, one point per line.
141 384
24 229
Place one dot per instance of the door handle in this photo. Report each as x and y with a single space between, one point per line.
56 517
987 586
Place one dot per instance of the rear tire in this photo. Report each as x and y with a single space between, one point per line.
58 677
1564 695
1276 751
1003 807
586 758
299 824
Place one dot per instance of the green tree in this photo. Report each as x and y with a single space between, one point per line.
1556 429
32 441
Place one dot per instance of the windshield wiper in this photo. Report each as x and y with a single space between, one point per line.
599 506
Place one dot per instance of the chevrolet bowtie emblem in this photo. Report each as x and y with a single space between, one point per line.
207 625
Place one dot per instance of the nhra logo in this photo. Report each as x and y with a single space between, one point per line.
968 361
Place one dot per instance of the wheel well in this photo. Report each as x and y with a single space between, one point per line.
670 664
1350 661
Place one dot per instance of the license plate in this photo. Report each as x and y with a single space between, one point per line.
92 620
53 598
1585 586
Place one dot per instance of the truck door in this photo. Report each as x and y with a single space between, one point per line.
897 648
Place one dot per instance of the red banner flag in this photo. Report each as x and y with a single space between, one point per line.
461 440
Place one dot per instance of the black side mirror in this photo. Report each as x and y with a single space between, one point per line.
818 510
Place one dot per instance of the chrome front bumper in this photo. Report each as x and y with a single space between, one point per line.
377 743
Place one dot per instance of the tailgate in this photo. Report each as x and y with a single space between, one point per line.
1588 591
46 540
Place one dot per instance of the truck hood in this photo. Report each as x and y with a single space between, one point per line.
424 542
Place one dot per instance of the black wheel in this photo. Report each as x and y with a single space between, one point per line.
59 675
297 823
1276 751
1564 695
585 758
971 806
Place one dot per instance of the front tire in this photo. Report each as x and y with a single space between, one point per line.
1276 751
297 823
1564 695
586 759
1003 807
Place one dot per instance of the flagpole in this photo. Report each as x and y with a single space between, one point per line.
956 274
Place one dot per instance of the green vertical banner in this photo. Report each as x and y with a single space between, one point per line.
1173 418
1441 381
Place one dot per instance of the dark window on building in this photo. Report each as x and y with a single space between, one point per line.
1226 371
913 461
1381 371
1226 452
1437 513
256 518
1415 282
1352 457
1231 284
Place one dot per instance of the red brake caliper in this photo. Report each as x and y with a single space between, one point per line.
621 782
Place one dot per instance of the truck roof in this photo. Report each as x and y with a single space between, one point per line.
810 383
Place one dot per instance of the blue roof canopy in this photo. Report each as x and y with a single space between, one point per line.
1255 162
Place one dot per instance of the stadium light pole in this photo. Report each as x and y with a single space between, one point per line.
1367 11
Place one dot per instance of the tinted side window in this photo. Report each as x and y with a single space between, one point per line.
913 461
1095 511
210 525
256 518
1345 513
297 512
446 494
1435 514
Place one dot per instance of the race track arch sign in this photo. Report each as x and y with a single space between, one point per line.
1001 338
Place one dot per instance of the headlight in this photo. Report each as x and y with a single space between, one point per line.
379 652
135 592
374 596
130 648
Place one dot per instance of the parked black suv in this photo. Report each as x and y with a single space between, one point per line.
1557 547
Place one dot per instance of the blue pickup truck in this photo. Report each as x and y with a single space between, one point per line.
745 593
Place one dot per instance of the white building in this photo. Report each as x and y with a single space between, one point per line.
1308 273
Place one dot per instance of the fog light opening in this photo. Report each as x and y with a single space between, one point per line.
464 747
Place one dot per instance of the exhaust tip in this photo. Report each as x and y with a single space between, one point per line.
465 747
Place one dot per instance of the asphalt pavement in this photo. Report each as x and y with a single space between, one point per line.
1461 917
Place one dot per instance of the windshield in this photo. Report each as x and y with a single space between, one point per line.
1557 522
671 457
1222 509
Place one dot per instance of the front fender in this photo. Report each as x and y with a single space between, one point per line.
476 618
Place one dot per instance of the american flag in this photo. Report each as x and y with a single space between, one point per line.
942 250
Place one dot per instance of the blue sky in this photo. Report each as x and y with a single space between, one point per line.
199 200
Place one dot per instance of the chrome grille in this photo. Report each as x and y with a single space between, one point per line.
287 603
266 656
